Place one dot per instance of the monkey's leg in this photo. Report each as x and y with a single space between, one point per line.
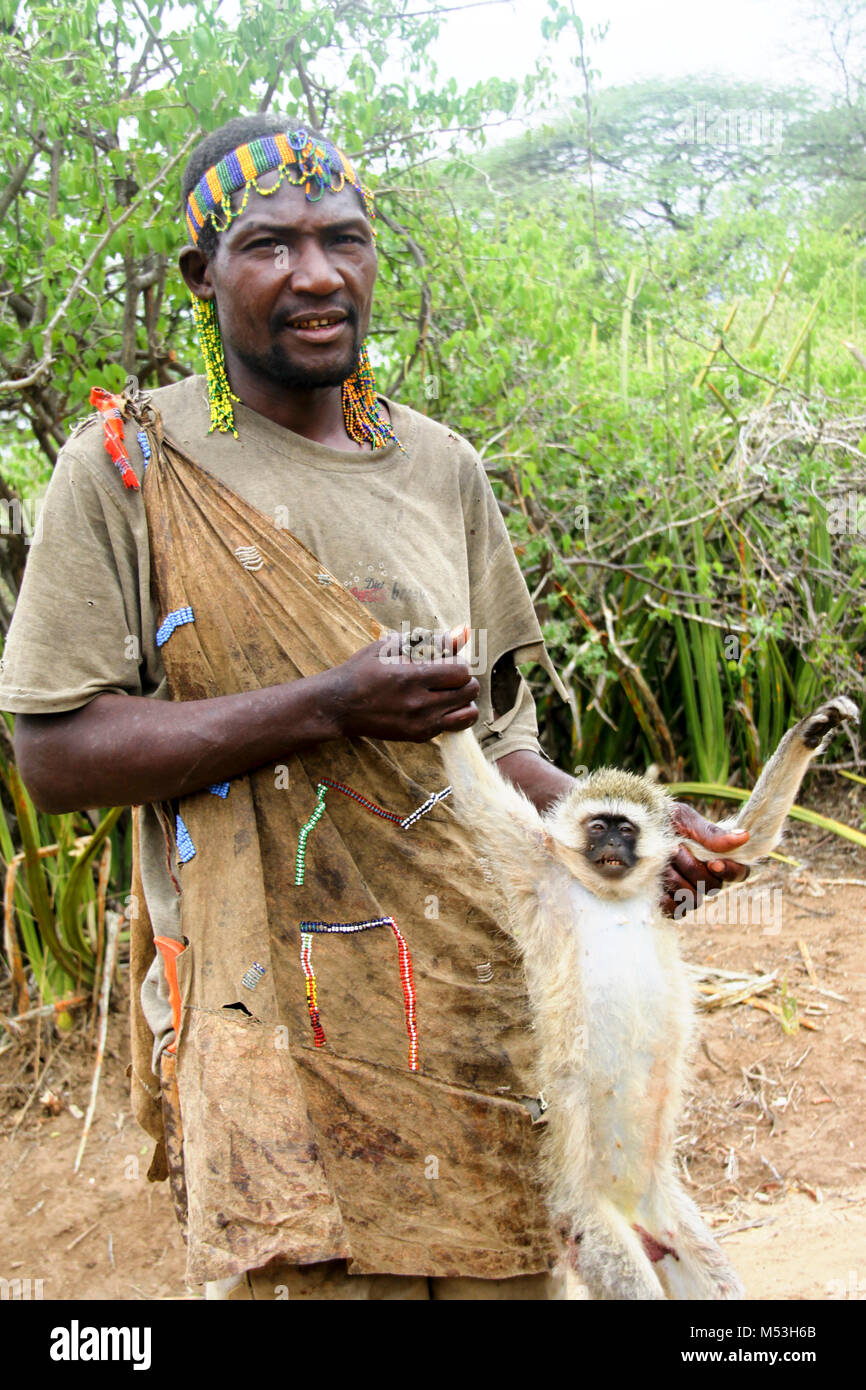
603 1253
697 1268
764 813
607 1257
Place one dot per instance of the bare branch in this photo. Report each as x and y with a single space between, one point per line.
15 184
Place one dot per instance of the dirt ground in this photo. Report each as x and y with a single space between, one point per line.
772 1143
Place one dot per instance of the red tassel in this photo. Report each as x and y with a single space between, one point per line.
110 408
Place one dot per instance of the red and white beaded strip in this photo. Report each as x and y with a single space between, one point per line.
404 960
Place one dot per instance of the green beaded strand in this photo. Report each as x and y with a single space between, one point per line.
304 832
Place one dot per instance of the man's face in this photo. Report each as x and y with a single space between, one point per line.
294 285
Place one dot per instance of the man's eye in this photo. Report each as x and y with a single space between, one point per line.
349 236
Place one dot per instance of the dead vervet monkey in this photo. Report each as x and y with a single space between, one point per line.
612 1003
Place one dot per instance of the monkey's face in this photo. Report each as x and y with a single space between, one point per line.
612 832
611 845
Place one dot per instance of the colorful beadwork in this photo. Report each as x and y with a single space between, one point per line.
220 789
172 621
407 980
361 408
404 961
220 394
304 832
318 167
144 446
255 973
308 929
185 846
310 988
361 414
362 800
111 409
427 806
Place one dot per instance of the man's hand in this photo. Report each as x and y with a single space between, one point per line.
687 879
388 690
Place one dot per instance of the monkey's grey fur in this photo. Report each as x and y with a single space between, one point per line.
612 1008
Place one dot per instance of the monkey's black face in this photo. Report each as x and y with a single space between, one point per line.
611 845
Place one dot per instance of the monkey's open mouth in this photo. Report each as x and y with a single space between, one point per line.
611 865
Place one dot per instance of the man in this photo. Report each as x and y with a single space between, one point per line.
338 1036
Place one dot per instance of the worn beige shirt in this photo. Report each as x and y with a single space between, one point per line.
414 533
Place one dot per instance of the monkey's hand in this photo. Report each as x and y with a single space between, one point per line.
687 880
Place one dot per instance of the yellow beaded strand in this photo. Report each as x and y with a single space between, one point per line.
220 394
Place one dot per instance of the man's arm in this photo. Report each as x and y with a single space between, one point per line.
121 750
686 878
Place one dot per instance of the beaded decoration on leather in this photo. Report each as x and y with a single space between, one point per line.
309 929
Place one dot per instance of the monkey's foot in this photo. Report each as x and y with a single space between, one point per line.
607 1270
815 730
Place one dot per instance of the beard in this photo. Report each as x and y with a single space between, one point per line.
278 366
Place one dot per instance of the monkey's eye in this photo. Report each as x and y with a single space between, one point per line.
626 830
597 827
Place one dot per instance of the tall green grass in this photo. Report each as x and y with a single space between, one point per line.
59 875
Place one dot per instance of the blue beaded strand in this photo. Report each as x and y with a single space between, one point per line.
144 447
173 620
185 846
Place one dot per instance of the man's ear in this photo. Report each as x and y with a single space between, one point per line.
195 269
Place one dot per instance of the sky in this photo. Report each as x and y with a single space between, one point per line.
755 40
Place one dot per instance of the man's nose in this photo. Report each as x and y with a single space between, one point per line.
312 271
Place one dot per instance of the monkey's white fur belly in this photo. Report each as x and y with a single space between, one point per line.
620 1042
628 999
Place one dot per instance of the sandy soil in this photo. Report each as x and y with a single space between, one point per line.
772 1138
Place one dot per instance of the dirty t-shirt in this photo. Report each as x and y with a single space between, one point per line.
415 533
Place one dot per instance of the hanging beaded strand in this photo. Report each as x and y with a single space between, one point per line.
364 424
219 393
404 965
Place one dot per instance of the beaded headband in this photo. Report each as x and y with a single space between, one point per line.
318 166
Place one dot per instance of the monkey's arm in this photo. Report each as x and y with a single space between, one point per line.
763 815
502 820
